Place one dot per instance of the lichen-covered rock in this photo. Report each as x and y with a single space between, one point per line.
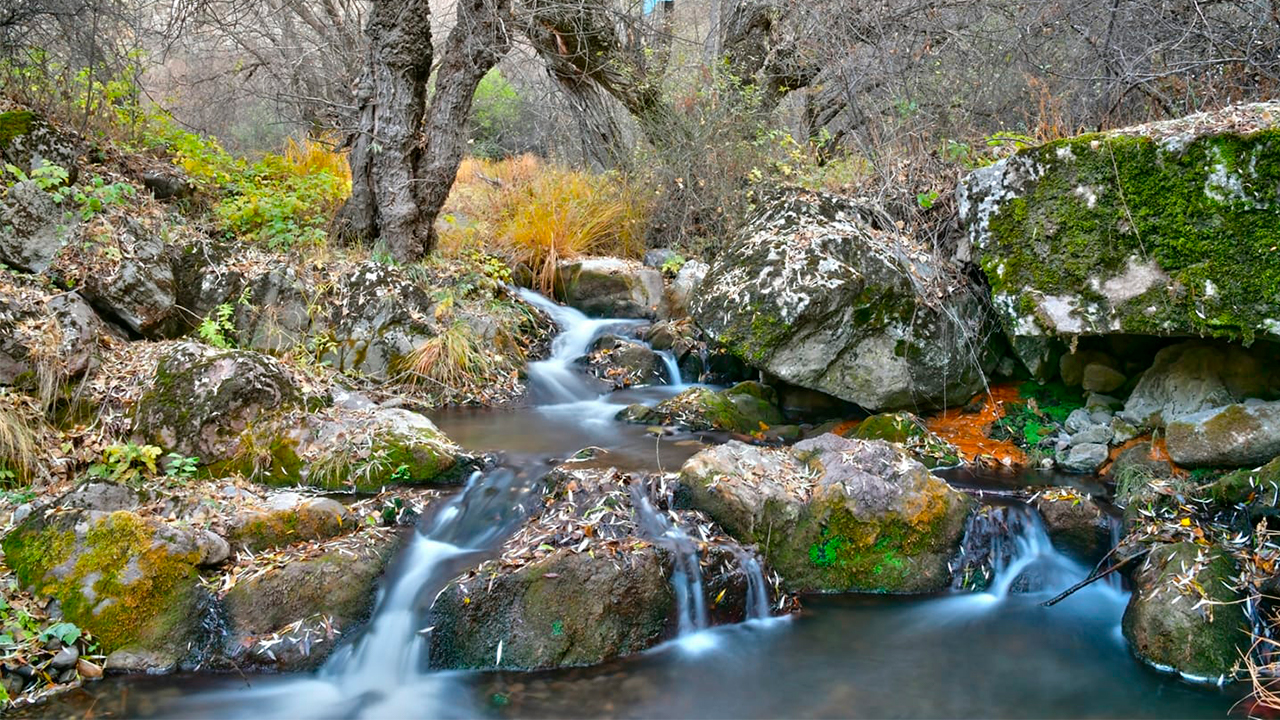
1166 623
56 334
202 400
1159 229
610 288
28 141
292 615
681 290
32 228
747 407
130 581
1232 436
1198 375
909 431
288 519
833 514
821 293
624 363
1085 458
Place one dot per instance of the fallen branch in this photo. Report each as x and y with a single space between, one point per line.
1093 577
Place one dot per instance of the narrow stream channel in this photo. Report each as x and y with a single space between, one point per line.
992 654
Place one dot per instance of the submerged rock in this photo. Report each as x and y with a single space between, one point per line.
1231 436
1166 623
747 407
1159 229
821 293
832 514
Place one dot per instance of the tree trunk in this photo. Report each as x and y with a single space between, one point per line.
386 153
477 42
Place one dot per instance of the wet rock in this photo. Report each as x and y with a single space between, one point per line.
624 363
65 658
130 581
1199 375
326 594
833 514
845 311
1085 458
610 287
1122 432
139 661
1232 436
258 529
1078 420
1258 489
1051 228
743 408
1167 626
32 228
909 431
1094 401
1076 524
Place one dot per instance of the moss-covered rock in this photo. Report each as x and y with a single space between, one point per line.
1232 436
833 514
1167 624
903 428
28 140
291 521
1077 525
130 581
821 293
1199 375
1162 229
1259 489
747 407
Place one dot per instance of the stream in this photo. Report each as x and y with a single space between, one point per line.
991 654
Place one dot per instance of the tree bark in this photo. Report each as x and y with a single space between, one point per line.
386 152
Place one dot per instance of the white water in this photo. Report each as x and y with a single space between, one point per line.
758 606
555 380
686 580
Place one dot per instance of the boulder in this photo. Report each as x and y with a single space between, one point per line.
1167 625
1198 375
1077 525
681 290
1257 489
32 228
1085 458
129 279
130 581
1233 436
833 514
168 184
608 287
820 292
1159 229
1100 378
45 336
747 407
625 363
28 141
909 431
285 523
292 615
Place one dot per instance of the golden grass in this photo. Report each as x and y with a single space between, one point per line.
17 444
537 214
452 360
317 155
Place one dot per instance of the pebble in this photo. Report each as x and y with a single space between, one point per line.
66 657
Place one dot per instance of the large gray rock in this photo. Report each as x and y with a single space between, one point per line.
623 362
28 141
135 286
1198 375
1150 230
1231 436
1168 626
33 228
40 333
833 514
820 292
610 287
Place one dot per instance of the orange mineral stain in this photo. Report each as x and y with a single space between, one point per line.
968 430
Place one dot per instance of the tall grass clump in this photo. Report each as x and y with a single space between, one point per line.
17 445
453 360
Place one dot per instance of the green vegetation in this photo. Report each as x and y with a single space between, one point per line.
126 462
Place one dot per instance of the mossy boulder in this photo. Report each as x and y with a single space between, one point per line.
823 293
291 616
28 141
130 581
745 408
32 228
1166 623
1162 229
903 428
1077 525
288 519
1199 375
833 514
1258 489
1236 435
607 287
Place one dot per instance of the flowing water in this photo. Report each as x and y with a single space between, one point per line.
996 653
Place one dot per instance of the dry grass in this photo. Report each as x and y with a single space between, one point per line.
454 360
18 449
536 214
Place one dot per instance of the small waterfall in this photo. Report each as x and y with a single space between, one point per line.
673 367
758 607
556 380
1007 551
691 605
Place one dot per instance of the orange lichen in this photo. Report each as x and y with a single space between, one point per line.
968 430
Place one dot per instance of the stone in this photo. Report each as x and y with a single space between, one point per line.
29 141
1167 626
32 228
681 289
1198 375
66 657
1078 420
375 315
1094 401
625 363
1095 434
1101 379
1053 229
1122 432
101 497
910 432
1258 489
54 335
167 184
658 257
1076 524
1086 458
138 288
1072 366
814 292
743 408
278 525
832 514
608 287
1232 436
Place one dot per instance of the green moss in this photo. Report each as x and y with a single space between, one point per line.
14 124
1156 203
1259 487
124 587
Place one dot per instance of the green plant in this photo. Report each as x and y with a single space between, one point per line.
401 475
49 177
65 632
216 328
98 195
180 466
125 462
926 200
671 266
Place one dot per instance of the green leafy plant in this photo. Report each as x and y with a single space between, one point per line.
125 462
98 195
671 266
67 633
180 466
926 200
49 177
216 328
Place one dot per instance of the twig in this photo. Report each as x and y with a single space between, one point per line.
1094 576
